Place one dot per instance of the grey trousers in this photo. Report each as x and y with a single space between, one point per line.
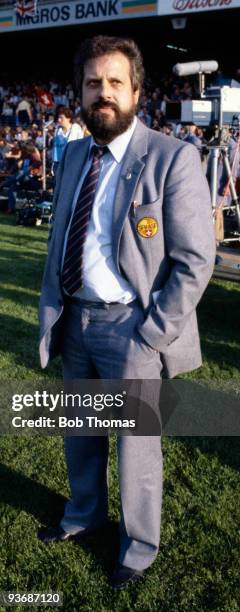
101 341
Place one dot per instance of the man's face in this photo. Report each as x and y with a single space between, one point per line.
63 121
108 100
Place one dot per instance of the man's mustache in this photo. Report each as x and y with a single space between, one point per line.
104 104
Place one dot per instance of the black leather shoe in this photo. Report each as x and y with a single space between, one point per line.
56 534
124 576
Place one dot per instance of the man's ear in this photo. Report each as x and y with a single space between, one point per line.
136 96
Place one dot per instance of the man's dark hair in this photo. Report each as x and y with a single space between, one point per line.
67 112
103 45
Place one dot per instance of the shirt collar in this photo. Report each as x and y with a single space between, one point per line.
119 145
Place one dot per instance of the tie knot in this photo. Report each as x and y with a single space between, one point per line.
98 152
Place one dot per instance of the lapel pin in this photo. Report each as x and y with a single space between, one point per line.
128 175
147 227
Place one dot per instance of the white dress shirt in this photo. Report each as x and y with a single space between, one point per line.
101 279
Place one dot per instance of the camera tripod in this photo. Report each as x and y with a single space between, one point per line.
219 148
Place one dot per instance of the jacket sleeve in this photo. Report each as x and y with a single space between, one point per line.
190 245
57 188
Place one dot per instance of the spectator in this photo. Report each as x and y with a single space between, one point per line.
66 131
45 100
168 129
8 133
155 103
39 139
7 112
24 112
155 125
192 136
3 151
4 147
12 168
145 117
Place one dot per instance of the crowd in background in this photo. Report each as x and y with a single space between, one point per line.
25 109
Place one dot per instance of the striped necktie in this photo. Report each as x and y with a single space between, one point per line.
72 273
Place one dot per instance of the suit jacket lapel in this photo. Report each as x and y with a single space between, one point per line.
133 165
77 157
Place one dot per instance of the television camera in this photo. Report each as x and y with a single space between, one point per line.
218 110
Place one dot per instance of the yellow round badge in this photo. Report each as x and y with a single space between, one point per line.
147 227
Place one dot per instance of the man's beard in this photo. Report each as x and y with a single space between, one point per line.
106 127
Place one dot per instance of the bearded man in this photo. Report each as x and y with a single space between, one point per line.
130 254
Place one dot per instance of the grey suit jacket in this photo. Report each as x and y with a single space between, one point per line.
161 180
